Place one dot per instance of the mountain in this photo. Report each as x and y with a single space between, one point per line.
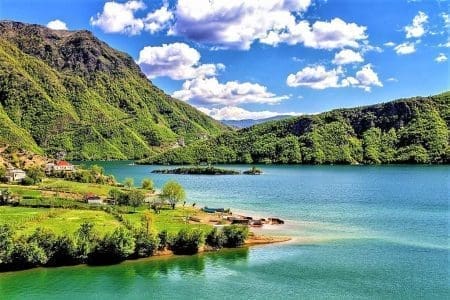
414 130
68 91
239 124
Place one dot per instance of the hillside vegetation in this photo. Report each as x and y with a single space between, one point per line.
404 131
67 90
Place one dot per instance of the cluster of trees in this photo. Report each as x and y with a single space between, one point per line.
406 131
44 248
92 174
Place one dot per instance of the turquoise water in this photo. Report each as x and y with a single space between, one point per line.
358 232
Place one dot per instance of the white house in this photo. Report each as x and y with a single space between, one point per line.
61 165
15 175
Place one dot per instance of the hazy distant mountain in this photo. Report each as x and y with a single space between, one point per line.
250 122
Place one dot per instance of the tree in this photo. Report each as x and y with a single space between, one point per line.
235 235
135 198
187 241
36 174
6 244
113 248
215 239
147 184
128 182
86 239
146 243
115 194
173 192
2 174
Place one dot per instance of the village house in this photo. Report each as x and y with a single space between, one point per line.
91 198
15 175
59 166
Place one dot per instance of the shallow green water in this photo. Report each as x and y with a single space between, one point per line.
359 232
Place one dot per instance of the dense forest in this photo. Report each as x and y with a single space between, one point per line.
67 90
404 131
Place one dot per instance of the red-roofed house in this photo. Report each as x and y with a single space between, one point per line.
61 165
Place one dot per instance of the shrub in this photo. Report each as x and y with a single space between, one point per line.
235 235
147 184
113 248
27 181
164 240
145 244
187 241
215 239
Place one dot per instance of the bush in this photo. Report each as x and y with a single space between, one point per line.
147 184
187 241
145 244
235 235
26 255
64 252
27 181
215 239
164 240
113 248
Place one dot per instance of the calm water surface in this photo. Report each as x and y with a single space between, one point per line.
358 232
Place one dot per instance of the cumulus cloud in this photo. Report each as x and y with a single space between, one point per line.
392 79
177 61
416 29
320 78
389 44
237 113
121 18
347 56
239 23
57 25
441 58
367 77
405 48
446 19
315 77
157 20
209 91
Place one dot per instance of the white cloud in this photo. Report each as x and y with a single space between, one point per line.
158 19
177 61
405 48
392 79
239 23
209 91
347 56
367 78
389 44
57 25
416 29
315 77
441 58
119 18
446 45
237 113
319 78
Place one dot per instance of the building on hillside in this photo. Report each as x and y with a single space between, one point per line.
91 198
15 175
59 166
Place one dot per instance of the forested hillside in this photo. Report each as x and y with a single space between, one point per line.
404 131
67 90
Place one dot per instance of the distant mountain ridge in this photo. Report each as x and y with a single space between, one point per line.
239 124
67 90
414 130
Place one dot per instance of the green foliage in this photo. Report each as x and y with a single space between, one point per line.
382 133
173 192
145 243
6 243
128 182
215 239
147 184
235 235
113 248
135 198
36 174
187 241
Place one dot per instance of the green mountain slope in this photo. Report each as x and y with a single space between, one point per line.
67 90
405 131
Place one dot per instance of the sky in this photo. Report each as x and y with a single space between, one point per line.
252 59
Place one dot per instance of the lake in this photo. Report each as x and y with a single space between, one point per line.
358 232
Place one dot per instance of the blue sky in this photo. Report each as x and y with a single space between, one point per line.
236 59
